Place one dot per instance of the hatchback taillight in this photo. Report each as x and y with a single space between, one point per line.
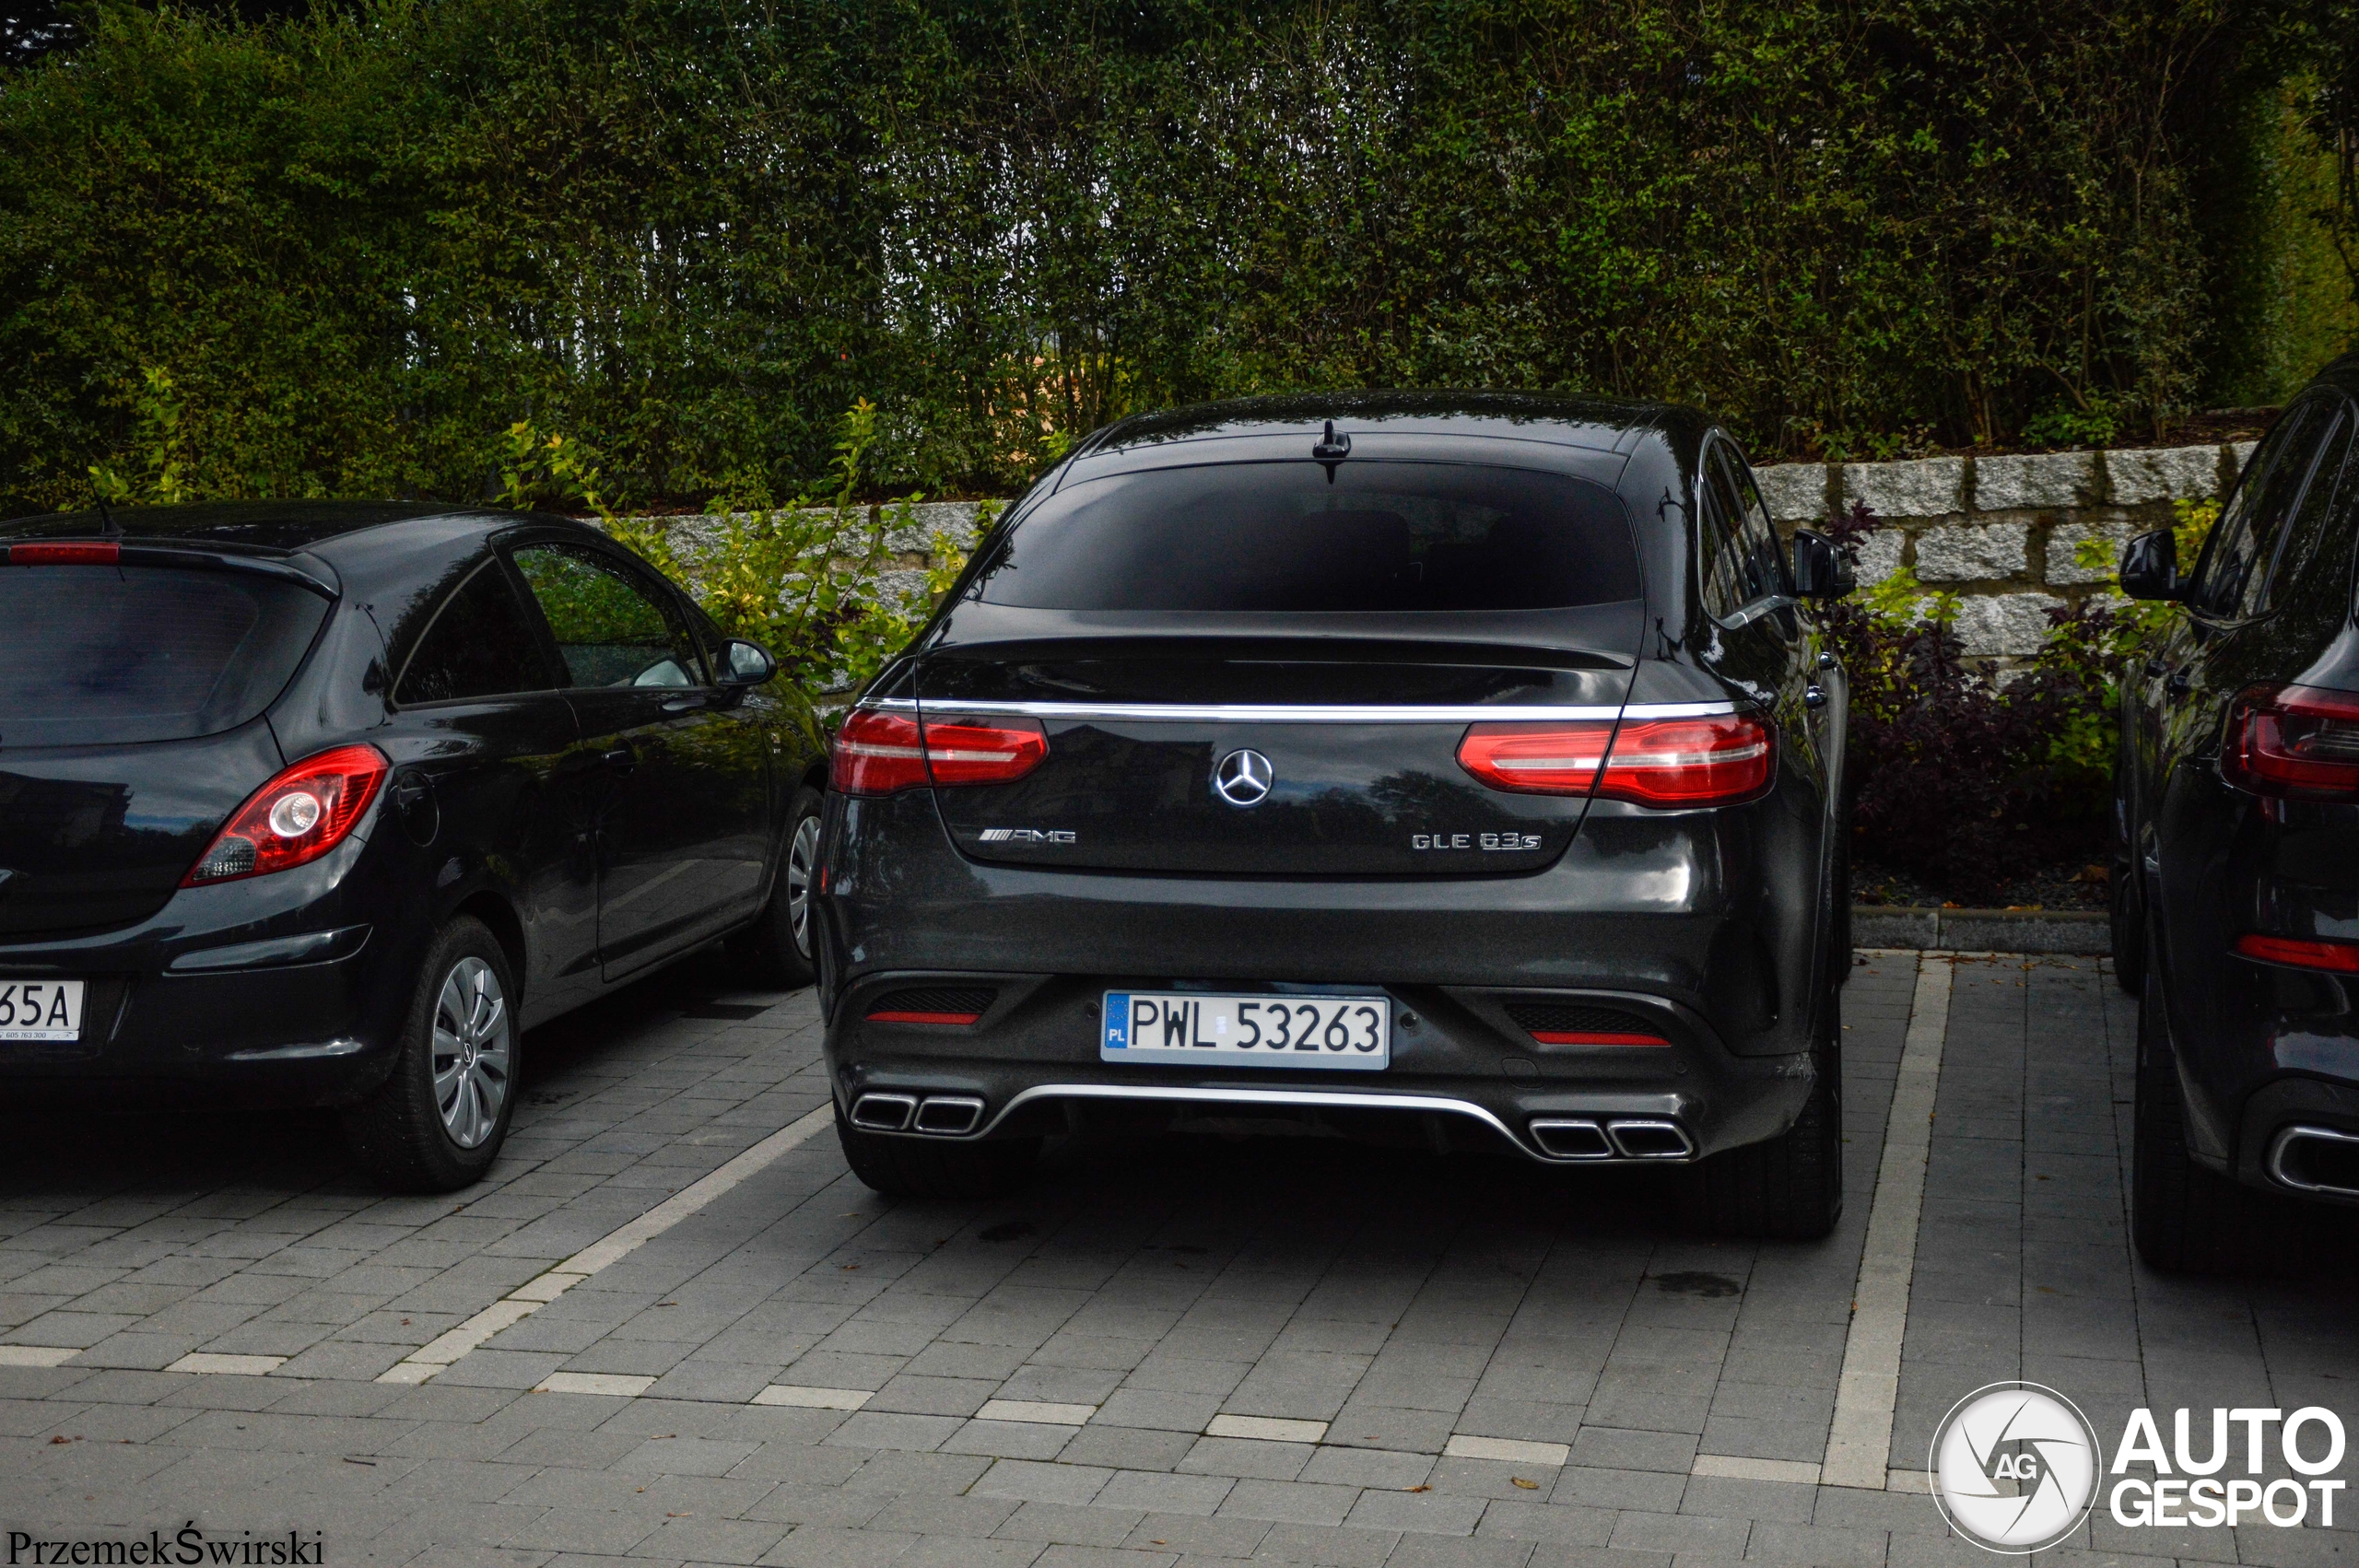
877 753
1713 761
300 815
2293 740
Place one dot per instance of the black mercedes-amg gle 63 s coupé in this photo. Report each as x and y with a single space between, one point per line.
322 804
2236 863
1458 769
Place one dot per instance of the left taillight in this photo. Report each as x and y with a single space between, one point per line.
1716 760
300 815
880 753
2298 742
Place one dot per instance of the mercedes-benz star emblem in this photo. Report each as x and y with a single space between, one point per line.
1243 778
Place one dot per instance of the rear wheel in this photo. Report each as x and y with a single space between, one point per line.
777 948
437 1121
1789 1188
2184 1216
918 1167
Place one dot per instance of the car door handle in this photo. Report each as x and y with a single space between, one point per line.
1814 695
687 702
2176 685
622 759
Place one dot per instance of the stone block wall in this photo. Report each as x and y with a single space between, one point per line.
1998 532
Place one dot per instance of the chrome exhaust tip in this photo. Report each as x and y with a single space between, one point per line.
949 1115
883 1113
1571 1138
1650 1141
2316 1158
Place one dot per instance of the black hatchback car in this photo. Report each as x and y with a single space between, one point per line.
1451 769
2236 901
324 804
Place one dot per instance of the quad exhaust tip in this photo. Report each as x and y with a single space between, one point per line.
945 1115
2316 1158
1583 1138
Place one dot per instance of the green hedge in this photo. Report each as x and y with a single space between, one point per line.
360 246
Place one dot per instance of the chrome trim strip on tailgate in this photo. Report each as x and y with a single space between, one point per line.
1327 1097
1310 713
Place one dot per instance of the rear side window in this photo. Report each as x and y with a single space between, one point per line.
1285 538
2234 571
109 655
1742 558
2309 525
481 644
613 627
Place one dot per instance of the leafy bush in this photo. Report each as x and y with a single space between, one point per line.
362 243
803 579
1959 777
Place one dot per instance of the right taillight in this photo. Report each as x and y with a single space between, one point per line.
2298 742
879 753
1716 760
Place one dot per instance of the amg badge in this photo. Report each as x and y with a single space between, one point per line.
1493 841
1028 836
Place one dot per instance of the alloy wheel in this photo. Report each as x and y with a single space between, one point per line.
472 1053
802 862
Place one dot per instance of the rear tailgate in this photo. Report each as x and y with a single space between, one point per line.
1271 761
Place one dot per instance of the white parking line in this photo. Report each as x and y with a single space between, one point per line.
544 1288
814 1399
233 1366
612 1385
1464 1446
1859 1445
37 1355
1269 1429
1739 1467
1038 1411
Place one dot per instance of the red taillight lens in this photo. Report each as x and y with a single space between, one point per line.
969 753
2340 956
1713 761
301 815
2293 740
1536 759
877 753
92 554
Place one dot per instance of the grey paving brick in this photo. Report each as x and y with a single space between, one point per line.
1293 1503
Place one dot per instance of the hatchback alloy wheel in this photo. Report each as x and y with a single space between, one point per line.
471 1052
802 868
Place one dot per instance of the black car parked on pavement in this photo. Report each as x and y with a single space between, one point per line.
323 804
2236 859
1455 769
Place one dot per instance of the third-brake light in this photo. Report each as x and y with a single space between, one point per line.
1715 760
879 751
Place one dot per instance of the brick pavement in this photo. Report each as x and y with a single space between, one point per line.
1495 1363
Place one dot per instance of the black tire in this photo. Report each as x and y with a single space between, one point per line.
1789 1188
776 950
2185 1217
921 1168
414 1136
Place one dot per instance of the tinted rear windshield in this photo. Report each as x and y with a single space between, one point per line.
1283 537
104 655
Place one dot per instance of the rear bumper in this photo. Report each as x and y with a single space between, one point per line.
289 989
1460 1075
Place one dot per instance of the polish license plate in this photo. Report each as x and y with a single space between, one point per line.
1351 1032
41 1010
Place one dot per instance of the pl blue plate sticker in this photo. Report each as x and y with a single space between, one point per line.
1118 1021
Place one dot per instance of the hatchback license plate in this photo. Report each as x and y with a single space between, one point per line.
1351 1032
41 1010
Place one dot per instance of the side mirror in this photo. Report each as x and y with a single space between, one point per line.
746 664
2150 566
1820 571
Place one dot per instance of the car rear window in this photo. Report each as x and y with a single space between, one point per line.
106 655
1285 537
